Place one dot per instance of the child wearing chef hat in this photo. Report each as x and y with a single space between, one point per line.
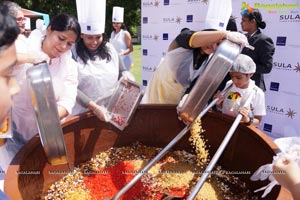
240 87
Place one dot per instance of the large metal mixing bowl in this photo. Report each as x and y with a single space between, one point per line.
30 175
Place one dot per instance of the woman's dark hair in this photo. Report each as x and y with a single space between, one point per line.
9 29
256 15
231 26
85 54
123 26
65 22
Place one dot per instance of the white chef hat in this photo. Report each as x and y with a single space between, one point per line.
243 64
91 16
218 14
118 14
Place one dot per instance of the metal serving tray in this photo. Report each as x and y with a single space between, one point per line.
124 102
216 69
47 118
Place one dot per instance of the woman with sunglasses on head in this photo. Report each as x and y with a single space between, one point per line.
264 50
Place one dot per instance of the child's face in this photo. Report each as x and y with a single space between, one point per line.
240 80
8 84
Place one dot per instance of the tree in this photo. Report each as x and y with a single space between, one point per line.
132 10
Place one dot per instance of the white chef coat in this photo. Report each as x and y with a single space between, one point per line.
97 78
64 74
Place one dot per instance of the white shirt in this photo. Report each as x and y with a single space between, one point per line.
97 78
64 75
118 41
236 98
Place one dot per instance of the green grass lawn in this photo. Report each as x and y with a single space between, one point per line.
136 70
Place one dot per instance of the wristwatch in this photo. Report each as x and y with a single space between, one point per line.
250 121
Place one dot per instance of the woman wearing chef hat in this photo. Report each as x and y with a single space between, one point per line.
188 54
120 37
98 61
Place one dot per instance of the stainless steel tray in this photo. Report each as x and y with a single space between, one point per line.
216 69
47 118
124 102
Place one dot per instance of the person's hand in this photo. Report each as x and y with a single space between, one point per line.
287 173
245 113
220 99
237 37
128 76
101 112
40 57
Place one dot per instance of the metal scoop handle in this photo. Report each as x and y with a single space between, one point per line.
165 150
220 150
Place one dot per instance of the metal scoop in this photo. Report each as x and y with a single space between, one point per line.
45 107
216 69
220 150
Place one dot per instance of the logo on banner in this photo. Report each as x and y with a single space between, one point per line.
297 67
145 82
189 18
150 37
165 36
268 127
290 113
145 52
172 20
282 66
280 111
145 20
149 69
286 67
274 86
166 2
275 110
291 17
197 1
281 41
150 4
287 12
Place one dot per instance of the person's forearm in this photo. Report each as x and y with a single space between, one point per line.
62 112
24 58
205 38
295 190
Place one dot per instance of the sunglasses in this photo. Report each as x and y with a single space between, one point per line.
21 19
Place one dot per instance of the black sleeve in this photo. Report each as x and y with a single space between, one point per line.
184 37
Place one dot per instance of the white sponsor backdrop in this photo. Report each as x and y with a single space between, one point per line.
162 20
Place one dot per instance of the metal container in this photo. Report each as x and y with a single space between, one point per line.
216 69
47 118
124 102
153 125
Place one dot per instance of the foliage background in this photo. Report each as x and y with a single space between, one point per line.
132 10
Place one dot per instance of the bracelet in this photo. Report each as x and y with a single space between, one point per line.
250 121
